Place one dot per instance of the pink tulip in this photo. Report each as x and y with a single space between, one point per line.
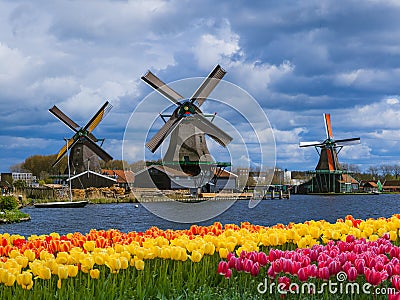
255 269
285 280
295 267
232 262
247 265
359 263
271 273
239 264
228 273
394 296
334 267
374 277
352 274
350 238
302 274
323 273
395 280
222 267
262 259
312 271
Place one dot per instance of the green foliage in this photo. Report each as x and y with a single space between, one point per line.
8 202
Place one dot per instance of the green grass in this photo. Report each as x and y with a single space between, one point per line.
12 216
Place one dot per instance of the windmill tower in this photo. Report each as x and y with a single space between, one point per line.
83 147
328 171
187 125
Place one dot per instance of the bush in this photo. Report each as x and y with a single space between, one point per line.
8 202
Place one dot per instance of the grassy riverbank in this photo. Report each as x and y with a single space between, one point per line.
9 212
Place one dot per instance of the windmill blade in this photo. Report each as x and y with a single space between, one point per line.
165 130
64 118
328 126
352 141
161 87
103 111
97 149
210 129
310 144
205 89
70 143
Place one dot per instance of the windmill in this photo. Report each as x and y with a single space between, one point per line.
83 147
328 169
187 125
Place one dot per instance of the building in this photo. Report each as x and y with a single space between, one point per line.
166 178
91 179
124 179
391 186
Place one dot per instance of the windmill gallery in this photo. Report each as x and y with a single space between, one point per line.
187 155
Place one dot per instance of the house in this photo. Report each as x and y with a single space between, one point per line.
91 179
167 178
369 186
124 179
348 184
391 186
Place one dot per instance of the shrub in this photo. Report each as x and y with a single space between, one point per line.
8 202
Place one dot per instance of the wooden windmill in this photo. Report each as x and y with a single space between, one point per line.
328 170
83 147
187 125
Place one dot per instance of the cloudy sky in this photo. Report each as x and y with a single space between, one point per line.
297 59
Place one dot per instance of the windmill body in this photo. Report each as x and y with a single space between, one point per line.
84 152
328 172
188 127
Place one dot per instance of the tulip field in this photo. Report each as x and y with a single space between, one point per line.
348 259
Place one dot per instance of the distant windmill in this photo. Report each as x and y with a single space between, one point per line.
187 125
83 147
330 148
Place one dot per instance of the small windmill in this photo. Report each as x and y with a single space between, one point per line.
328 172
187 125
330 148
83 147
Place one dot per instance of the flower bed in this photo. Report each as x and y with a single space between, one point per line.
305 260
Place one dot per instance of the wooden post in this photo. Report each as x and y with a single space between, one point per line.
272 194
280 194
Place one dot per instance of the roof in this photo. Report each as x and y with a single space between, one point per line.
94 173
346 178
391 183
225 173
121 175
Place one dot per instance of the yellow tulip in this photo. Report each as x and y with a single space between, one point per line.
22 261
119 248
89 245
87 264
44 273
209 248
28 253
165 253
25 280
14 253
223 253
72 270
393 235
195 256
99 259
95 273
9 279
62 258
124 262
62 272
114 264
139 264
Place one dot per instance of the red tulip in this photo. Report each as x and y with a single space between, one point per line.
394 296
232 262
271 273
334 267
295 267
350 238
312 271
